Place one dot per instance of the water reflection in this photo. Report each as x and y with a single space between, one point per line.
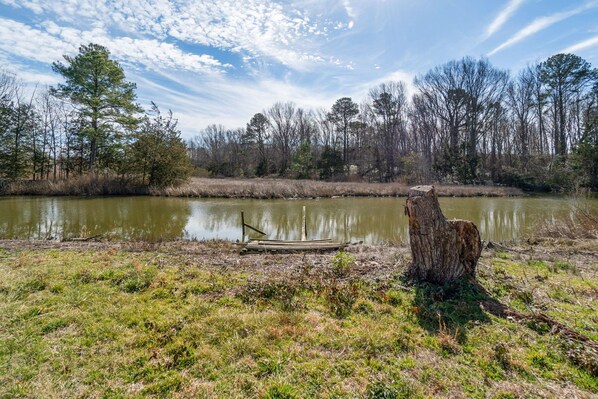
372 220
129 218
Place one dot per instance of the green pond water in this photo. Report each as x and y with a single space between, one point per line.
372 220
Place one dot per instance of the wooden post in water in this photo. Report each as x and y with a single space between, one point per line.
303 225
243 226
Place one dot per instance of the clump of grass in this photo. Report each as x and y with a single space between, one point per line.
393 297
280 391
133 278
448 341
583 356
283 292
526 296
392 390
364 306
36 282
500 353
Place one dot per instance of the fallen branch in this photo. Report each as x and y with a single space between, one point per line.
496 308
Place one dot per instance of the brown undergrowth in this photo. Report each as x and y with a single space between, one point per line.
238 188
287 188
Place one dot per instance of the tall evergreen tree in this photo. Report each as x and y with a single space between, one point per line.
96 85
565 76
343 112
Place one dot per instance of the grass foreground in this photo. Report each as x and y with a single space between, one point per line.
186 319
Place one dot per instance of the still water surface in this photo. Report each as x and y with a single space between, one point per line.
372 220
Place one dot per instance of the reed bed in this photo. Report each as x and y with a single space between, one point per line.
287 188
238 188
80 186
582 224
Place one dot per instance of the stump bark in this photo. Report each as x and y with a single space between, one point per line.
442 250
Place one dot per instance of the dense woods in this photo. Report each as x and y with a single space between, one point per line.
466 122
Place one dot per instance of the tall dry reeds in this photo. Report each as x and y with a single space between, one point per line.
287 188
582 223
79 186
238 188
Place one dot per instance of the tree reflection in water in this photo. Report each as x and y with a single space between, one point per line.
372 220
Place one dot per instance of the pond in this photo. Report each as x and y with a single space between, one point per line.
371 220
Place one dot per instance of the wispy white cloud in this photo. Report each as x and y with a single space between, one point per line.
541 24
30 43
222 100
255 27
591 42
349 9
50 41
502 17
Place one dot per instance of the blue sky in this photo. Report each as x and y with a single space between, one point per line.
221 61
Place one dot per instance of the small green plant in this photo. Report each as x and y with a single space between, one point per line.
536 263
448 342
394 297
84 277
38 282
584 357
364 306
341 264
129 281
341 296
525 295
501 355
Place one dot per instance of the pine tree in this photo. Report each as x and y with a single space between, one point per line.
96 85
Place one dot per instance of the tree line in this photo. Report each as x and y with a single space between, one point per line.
467 122
88 125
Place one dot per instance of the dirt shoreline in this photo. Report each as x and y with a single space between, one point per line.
244 188
371 261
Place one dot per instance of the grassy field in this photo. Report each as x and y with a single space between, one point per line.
242 188
185 319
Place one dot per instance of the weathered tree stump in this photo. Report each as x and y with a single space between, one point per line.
442 250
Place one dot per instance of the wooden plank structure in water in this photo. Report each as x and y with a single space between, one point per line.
285 246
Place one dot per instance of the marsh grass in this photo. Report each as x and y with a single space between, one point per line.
287 188
203 322
78 186
238 188
582 223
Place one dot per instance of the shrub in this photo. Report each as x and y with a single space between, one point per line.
341 296
341 264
